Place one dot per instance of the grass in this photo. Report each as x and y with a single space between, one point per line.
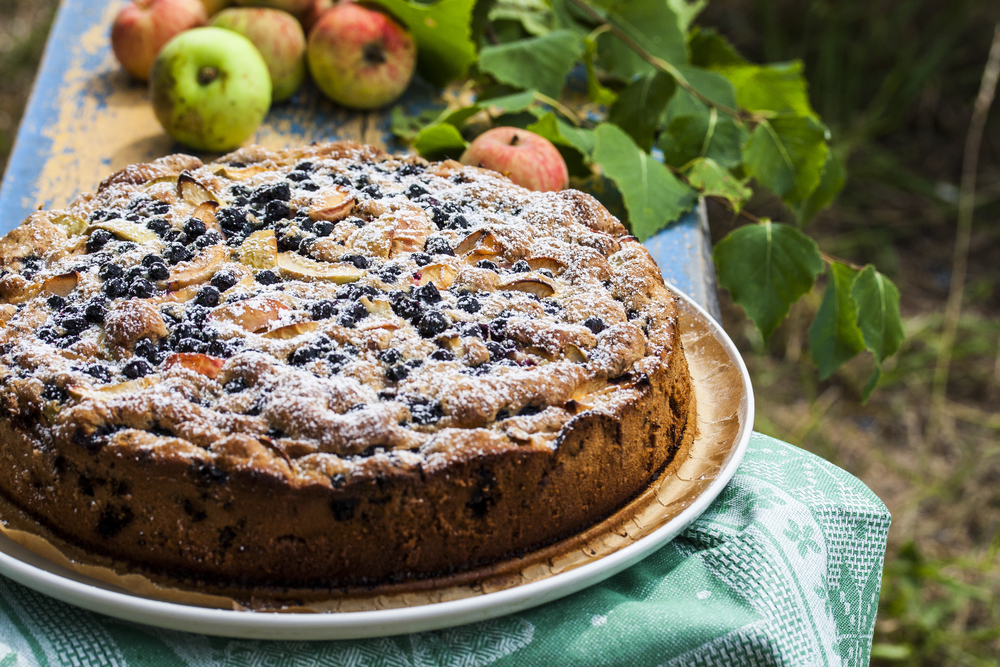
895 80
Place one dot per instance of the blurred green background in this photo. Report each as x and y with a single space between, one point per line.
895 80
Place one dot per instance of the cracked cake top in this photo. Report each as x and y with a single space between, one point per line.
318 310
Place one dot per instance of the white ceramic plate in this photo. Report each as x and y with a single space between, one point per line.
37 573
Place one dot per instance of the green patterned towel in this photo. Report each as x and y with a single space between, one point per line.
783 569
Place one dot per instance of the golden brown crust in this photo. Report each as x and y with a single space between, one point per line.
550 390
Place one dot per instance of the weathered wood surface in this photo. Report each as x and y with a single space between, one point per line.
87 118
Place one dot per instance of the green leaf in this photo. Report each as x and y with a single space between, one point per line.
539 63
686 12
596 92
830 183
407 127
534 15
834 336
711 179
717 88
771 89
640 106
653 196
711 134
652 24
440 141
787 154
766 268
878 318
574 144
443 33
709 49
509 103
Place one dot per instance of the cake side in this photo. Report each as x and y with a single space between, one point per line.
356 369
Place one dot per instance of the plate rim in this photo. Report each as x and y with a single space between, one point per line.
394 621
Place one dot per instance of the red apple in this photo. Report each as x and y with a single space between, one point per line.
316 9
526 158
360 57
215 6
295 7
280 40
143 26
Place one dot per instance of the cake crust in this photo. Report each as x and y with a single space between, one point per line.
377 369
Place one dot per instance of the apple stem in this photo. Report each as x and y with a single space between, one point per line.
514 140
207 75
374 54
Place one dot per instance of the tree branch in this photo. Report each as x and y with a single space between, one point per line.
963 233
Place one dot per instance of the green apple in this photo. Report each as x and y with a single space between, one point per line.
210 88
280 40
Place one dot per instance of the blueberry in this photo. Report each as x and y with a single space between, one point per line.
239 190
109 271
289 242
147 349
115 288
322 310
267 277
209 239
362 180
545 272
442 355
158 272
233 220
99 372
177 253
306 167
218 348
595 324
389 273
47 334
359 261
263 195
98 240
323 228
137 368
141 289
98 215
439 217
194 228
487 264
159 208
158 226
152 260
497 351
235 386
632 314
355 310
75 325
56 302
207 296
410 170
391 356
396 373
304 355
432 323
438 245
275 211
298 176
135 273
404 306
373 192
469 303
426 413
223 280
421 258
459 222
96 310
415 191
521 266
427 293
191 345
